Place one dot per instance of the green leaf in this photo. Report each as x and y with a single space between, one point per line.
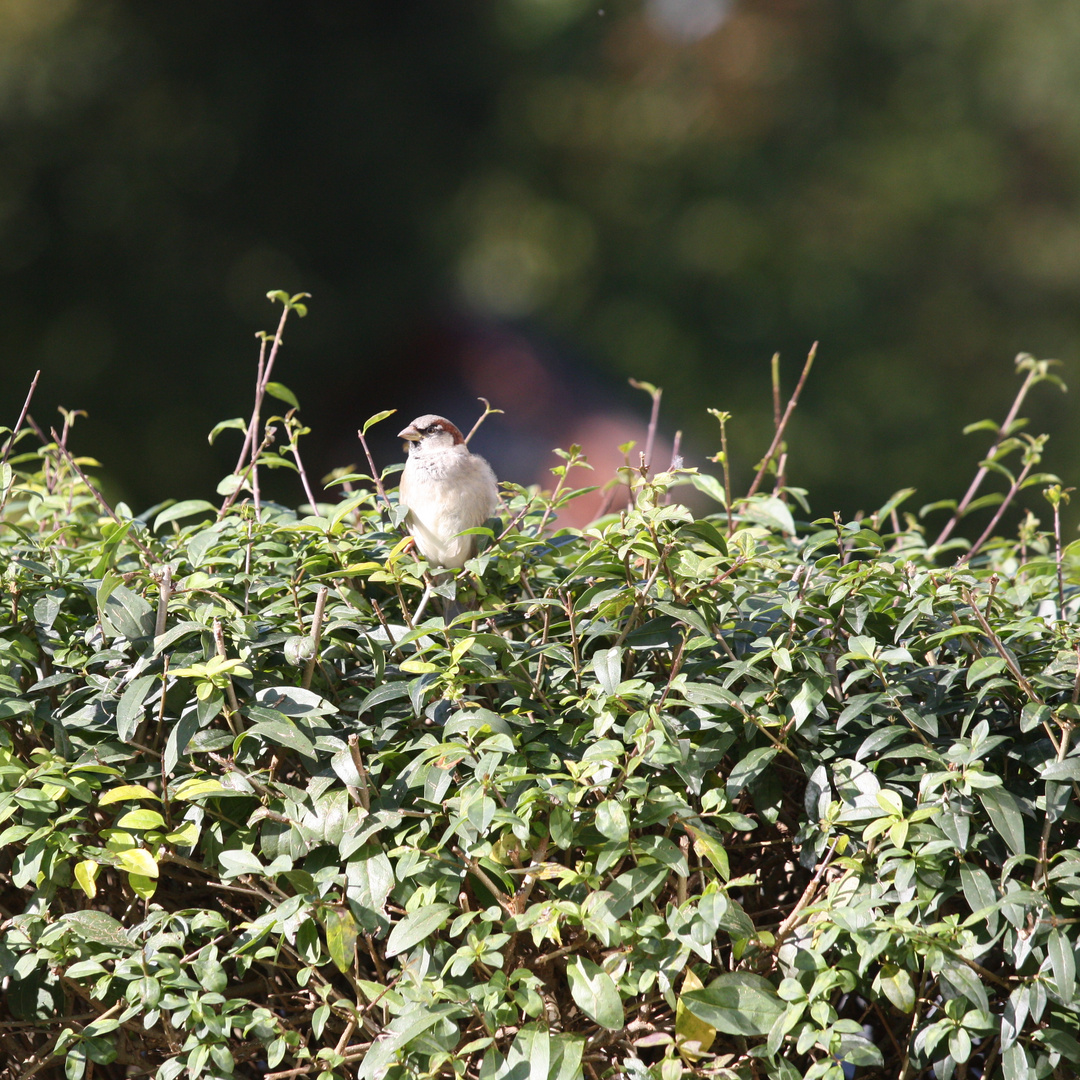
855 1049
141 820
196 787
187 508
897 986
710 486
1063 1042
561 826
595 994
634 886
1004 812
108 551
394 691
984 668
965 981
611 821
341 935
86 873
126 792
810 694
237 423
175 634
738 1003
979 890
370 879
889 802
416 926
238 861
693 1035
129 710
566 1054
97 926
124 613
1058 771
281 732
371 421
703 693
1015 1063
749 769
530 1054
771 512
712 849
1062 962
137 861
229 485
607 663
705 530
282 393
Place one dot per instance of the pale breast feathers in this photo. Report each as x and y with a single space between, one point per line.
447 492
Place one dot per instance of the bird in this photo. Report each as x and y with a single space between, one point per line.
446 489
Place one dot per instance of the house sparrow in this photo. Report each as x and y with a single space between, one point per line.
447 489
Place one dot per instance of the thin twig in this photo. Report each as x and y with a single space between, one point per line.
379 614
776 390
676 453
352 1054
22 416
14 435
294 449
550 508
98 496
249 473
676 462
364 791
781 476
316 634
374 472
513 522
505 902
1057 557
640 598
488 411
920 995
423 605
1010 660
234 705
655 393
37 430
727 478
793 919
69 422
163 601
1048 821
989 530
159 732
984 470
784 420
266 366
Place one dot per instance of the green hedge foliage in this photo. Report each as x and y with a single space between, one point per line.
740 796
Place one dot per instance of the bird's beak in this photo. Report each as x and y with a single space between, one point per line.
410 433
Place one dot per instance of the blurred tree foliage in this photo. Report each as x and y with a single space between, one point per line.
675 188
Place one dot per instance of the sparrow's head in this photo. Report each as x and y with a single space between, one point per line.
431 432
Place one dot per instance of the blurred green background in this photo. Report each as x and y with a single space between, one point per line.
535 200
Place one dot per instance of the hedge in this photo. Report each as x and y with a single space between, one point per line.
742 795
